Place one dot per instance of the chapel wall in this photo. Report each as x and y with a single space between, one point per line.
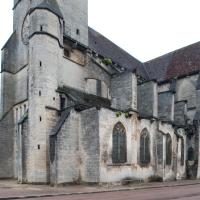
132 169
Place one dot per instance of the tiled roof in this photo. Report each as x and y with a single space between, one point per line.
181 62
157 67
108 49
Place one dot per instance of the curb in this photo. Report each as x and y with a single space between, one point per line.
96 192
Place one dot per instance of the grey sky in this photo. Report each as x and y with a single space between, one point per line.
144 28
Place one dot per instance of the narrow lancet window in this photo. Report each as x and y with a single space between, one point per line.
119 144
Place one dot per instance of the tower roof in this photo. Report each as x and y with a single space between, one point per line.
50 5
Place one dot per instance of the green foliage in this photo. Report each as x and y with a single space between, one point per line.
118 114
127 114
107 61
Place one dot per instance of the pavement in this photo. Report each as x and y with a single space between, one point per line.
10 189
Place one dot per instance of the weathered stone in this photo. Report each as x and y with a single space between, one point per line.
61 105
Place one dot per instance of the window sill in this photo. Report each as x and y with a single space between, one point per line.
118 164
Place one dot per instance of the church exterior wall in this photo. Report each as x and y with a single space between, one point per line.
7 92
186 90
148 99
75 21
76 74
31 109
90 146
169 171
110 172
181 168
21 85
126 84
66 166
7 145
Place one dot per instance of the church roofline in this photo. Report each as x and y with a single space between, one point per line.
16 4
178 77
12 35
171 52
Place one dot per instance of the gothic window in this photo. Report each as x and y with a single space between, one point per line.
119 144
168 149
190 154
182 152
144 147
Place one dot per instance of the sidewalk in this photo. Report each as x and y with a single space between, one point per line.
9 189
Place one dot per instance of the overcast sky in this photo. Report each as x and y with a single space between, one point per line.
144 28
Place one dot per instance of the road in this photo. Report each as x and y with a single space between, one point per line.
190 192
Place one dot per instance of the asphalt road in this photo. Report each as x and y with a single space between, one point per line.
190 192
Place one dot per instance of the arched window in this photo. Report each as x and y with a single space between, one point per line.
144 147
119 144
182 152
168 149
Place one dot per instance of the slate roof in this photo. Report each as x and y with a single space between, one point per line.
50 5
182 62
84 100
108 49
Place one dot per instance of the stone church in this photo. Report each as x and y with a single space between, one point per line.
76 108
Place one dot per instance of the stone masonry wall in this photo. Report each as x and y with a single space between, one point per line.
180 112
124 91
110 172
169 171
89 146
75 21
6 146
67 151
147 99
166 106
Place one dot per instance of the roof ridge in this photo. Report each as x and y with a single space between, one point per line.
172 52
114 43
